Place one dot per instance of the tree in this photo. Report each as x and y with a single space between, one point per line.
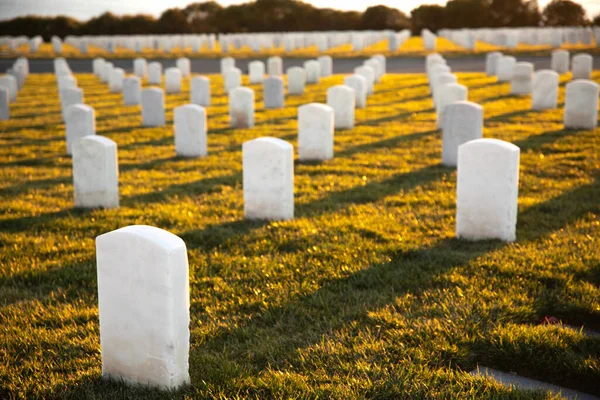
514 13
201 17
173 20
383 18
564 13
428 17
596 20
467 14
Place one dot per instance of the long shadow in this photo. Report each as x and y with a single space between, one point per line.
23 188
391 118
30 162
386 143
536 142
507 116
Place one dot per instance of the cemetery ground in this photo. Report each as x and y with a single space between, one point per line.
366 293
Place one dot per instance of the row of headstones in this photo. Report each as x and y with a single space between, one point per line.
512 37
10 85
257 42
581 102
316 126
153 291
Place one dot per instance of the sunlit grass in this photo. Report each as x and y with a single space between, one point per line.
413 46
365 293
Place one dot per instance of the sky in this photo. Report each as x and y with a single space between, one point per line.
84 9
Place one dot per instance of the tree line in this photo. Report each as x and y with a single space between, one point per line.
295 15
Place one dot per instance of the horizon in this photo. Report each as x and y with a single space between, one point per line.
83 11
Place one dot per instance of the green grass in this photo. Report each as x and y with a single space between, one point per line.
365 294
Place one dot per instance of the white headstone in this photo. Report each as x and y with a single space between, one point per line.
522 79
4 106
313 71
369 74
505 68
173 80
10 83
359 84
326 63
583 65
241 108
275 66
115 81
315 132
343 101
155 73
463 122
80 121
69 97
268 165
581 105
273 92
227 63
491 63
449 94
184 66
132 91
560 61
153 107
200 91
95 172
296 80
256 70
143 302
232 79
487 190
140 68
442 79
374 64
545 90
190 131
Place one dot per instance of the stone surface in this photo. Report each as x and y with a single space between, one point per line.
4 104
545 90
80 121
463 122
369 74
359 84
487 190
173 80
326 63
442 79
241 108
449 94
505 69
132 91
296 80
184 66
140 68
560 61
143 303
313 71
153 107
583 65
232 78
275 66
343 101
190 131
581 105
95 172
256 70
10 83
69 97
273 92
491 63
227 63
373 63
115 81
200 91
155 73
268 175
315 132
522 79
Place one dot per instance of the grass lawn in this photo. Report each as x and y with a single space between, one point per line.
365 294
413 47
